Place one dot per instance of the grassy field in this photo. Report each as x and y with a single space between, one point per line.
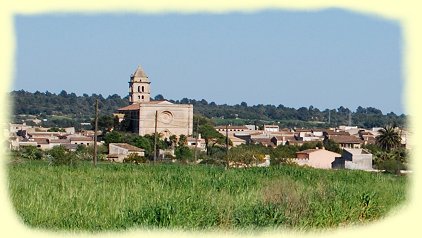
122 196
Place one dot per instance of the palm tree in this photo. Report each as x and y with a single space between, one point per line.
388 138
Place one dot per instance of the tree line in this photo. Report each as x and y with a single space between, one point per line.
76 109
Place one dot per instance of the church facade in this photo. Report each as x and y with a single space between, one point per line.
146 115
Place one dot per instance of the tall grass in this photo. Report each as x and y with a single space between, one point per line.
122 196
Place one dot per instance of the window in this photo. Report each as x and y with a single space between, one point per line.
139 89
142 88
139 97
142 96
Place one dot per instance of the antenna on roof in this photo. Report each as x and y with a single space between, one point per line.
329 116
350 118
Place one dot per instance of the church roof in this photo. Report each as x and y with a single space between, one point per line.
157 102
140 73
131 107
136 106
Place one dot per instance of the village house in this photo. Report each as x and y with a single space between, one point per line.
278 140
117 152
42 143
347 141
292 140
353 159
271 128
222 129
246 137
237 141
317 158
251 127
82 140
263 141
198 143
57 142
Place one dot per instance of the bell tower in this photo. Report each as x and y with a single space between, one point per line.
139 87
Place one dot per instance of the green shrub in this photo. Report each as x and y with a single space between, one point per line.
59 155
392 166
135 159
183 153
31 153
246 155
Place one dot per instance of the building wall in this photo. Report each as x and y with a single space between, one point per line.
121 153
113 149
322 159
173 119
357 161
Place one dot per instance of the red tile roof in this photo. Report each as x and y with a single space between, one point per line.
344 139
131 107
41 141
81 139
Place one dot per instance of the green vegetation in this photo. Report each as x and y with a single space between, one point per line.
123 196
68 109
388 154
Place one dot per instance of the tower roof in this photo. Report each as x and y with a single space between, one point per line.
140 73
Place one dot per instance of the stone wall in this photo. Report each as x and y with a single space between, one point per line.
173 119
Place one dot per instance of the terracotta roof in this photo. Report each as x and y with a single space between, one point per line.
131 107
370 140
341 139
302 130
329 132
136 106
263 141
40 141
128 147
81 139
157 102
60 141
279 137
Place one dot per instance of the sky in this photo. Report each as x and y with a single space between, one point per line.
326 59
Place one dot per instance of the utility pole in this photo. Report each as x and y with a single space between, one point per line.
227 146
329 116
95 133
350 118
197 135
155 137
227 140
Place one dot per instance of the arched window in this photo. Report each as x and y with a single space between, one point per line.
139 97
139 88
142 96
142 88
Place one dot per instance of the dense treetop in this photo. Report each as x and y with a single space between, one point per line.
81 109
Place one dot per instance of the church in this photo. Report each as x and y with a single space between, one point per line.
146 116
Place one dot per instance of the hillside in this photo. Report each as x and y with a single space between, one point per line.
68 109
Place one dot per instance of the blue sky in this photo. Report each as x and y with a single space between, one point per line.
326 59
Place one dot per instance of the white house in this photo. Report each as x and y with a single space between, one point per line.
117 152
